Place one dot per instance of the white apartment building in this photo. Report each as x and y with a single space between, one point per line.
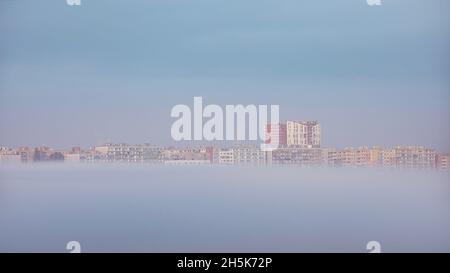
248 155
226 156
129 153
187 162
9 155
330 157
415 157
69 157
305 134
297 156
10 158
388 158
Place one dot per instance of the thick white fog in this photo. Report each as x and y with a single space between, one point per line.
148 208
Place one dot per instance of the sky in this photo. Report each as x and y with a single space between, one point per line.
111 70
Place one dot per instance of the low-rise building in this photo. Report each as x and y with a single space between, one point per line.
248 155
388 158
10 158
297 156
226 156
415 157
443 161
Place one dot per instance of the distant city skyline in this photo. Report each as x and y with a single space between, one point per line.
288 154
111 71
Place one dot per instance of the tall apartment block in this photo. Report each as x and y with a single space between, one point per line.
276 133
305 134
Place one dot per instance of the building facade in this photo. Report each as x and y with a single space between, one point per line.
304 134
276 134
443 161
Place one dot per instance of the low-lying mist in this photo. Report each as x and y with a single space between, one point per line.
155 208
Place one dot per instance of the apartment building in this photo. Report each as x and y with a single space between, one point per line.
330 158
276 133
297 156
126 153
226 156
415 157
443 161
360 157
303 134
376 154
388 158
9 155
247 155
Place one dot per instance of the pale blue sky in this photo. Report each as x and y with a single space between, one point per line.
111 70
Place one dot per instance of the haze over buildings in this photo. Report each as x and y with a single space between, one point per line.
298 144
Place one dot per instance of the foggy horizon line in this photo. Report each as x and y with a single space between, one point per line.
216 144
